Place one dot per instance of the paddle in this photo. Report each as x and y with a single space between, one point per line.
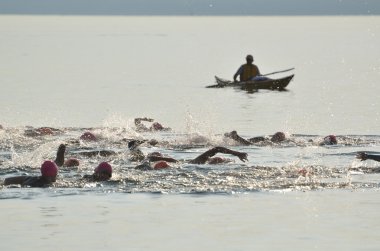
278 72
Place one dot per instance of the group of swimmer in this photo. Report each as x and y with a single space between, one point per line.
152 161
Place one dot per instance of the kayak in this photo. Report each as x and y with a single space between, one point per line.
268 83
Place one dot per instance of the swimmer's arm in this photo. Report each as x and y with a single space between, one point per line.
18 180
60 159
237 138
201 159
363 156
158 158
138 120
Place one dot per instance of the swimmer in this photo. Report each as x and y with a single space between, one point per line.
88 136
154 127
135 153
276 138
49 171
102 172
41 131
364 156
204 158
60 159
329 140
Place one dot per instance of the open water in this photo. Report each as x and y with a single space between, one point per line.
78 73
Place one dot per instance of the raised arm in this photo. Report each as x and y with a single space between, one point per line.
158 158
141 126
363 156
233 135
201 159
60 160
138 120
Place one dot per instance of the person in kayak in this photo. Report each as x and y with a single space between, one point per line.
248 71
49 171
160 161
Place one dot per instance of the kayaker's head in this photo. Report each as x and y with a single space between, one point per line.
249 59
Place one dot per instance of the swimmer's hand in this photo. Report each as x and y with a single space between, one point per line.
362 156
243 156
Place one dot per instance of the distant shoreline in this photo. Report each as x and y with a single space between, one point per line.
192 7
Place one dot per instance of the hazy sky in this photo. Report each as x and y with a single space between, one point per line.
191 7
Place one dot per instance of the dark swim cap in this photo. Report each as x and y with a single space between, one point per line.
330 140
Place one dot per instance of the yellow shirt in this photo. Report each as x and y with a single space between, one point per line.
248 72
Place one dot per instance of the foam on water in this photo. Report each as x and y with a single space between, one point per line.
298 163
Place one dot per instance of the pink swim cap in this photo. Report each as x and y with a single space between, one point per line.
161 165
104 167
88 136
49 169
157 126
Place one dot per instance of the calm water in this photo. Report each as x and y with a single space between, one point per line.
73 72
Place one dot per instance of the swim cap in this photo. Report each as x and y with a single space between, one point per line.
330 140
104 167
157 126
278 137
88 136
161 165
71 162
49 169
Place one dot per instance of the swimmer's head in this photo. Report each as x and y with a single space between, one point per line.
44 131
154 154
134 144
215 160
88 136
103 171
161 165
157 126
278 137
49 169
71 162
330 140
